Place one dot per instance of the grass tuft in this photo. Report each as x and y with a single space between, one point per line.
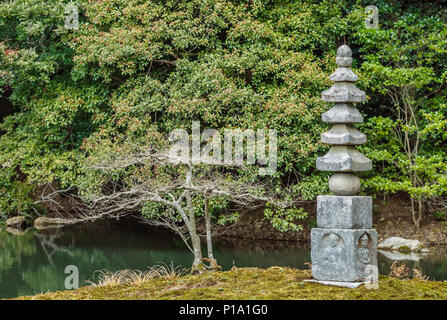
136 277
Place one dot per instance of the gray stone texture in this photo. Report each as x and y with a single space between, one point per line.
344 255
344 212
344 184
344 51
344 74
343 89
342 113
343 61
343 159
344 134
343 92
396 243
344 56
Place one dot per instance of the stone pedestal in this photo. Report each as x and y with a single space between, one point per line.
344 247
347 255
344 212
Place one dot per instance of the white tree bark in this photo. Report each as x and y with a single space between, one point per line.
209 241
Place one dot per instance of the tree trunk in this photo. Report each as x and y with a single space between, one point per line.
413 214
420 207
197 266
209 241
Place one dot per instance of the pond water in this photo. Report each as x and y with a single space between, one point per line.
35 261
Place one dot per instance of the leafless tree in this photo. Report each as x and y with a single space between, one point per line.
175 185
406 104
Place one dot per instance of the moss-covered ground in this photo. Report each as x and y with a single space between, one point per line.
253 283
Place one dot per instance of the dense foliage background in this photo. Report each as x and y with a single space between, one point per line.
137 69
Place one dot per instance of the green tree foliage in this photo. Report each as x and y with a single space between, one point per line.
404 69
137 69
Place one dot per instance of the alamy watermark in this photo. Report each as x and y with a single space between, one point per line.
372 277
71 17
372 20
206 147
72 280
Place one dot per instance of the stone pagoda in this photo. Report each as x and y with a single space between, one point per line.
344 245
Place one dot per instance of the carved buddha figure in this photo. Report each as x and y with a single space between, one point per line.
333 252
363 251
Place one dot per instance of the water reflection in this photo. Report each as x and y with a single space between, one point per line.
433 265
34 261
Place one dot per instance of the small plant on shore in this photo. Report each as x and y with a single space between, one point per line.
417 274
399 271
440 216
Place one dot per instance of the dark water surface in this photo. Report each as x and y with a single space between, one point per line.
35 261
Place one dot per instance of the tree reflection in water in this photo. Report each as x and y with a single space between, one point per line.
49 246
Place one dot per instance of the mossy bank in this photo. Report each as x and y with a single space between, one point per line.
253 283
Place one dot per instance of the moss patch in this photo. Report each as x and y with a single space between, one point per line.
253 283
404 249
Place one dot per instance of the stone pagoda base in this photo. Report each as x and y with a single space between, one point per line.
346 255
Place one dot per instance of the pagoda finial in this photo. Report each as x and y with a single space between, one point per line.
344 56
